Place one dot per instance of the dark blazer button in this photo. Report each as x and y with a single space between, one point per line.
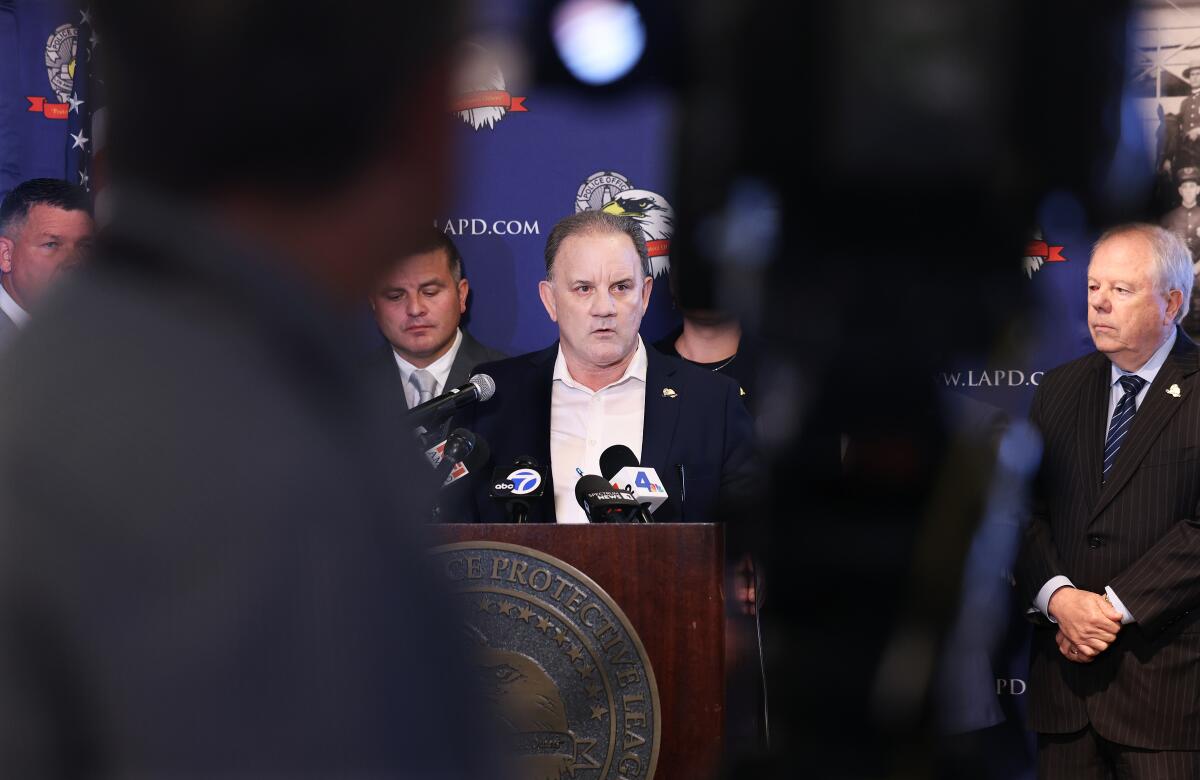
1095 541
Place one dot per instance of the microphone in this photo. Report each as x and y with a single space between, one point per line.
602 504
480 388
517 485
462 453
615 458
620 467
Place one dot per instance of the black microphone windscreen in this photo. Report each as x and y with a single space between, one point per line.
459 444
590 483
616 458
479 456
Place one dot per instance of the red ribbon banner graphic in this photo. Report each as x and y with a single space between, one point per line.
494 98
658 247
1053 254
38 105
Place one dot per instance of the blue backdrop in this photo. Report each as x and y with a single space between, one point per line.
528 156
525 173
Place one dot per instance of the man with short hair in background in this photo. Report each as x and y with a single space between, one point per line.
418 305
46 229
1184 221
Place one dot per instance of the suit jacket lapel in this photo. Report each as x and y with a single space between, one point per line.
1090 428
386 360
8 330
464 360
662 411
539 423
1155 411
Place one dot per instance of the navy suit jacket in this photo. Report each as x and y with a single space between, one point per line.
697 435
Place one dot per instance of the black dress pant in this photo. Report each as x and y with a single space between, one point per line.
1085 755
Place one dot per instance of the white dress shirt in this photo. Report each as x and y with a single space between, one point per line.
440 369
1148 372
584 423
13 309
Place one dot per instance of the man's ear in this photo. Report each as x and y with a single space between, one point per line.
6 254
1174 304
647 287
464 289
546 293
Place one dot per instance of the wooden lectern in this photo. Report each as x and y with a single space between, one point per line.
668 580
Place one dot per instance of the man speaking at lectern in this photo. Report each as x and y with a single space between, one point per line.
600 385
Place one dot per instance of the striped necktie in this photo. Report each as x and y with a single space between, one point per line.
1122 419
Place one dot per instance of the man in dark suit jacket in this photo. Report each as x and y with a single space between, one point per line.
1112 554
8 330
418 305
600 386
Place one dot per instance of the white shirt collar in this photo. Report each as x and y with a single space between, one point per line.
440 368
1152 366
13 309
635 370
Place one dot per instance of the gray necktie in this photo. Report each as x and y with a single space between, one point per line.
425 384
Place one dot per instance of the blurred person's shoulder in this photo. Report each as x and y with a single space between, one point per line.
156 389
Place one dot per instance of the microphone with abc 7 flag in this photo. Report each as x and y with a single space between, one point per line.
621 469
517 485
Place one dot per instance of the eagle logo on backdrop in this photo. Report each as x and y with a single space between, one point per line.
613 193
565 676
483 99
60 70
1038 253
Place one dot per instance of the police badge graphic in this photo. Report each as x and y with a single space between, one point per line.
613 193
572 687
60 70
482 96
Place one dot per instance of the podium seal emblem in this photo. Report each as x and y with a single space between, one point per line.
572 685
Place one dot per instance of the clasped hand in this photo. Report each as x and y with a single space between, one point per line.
1087 623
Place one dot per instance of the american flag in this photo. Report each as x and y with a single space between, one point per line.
85 118
50 122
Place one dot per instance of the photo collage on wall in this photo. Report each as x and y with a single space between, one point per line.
1164 83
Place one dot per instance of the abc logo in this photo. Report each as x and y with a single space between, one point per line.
524 481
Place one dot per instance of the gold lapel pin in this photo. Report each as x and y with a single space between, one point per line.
669 393
1173 391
